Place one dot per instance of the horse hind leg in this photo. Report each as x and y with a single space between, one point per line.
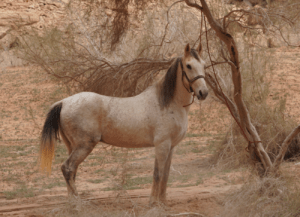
70 166
66 141
69 147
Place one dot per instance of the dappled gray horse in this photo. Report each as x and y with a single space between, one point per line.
157 117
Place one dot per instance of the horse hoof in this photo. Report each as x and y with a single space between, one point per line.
73 198
153 202
159 204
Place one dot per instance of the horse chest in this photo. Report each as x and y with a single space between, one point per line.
177 124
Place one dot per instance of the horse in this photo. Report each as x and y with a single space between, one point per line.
157 117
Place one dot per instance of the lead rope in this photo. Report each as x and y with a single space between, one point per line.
191 102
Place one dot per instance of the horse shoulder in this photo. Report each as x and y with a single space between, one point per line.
172 124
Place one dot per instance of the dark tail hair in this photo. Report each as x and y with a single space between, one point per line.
49 136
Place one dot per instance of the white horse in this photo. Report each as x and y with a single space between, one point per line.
157 117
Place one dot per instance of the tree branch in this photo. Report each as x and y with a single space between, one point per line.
284 148
246 125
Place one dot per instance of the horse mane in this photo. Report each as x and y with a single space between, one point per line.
168 86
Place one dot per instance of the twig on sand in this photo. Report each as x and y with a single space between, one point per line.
172 168
185 214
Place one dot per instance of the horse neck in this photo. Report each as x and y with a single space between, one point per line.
182 97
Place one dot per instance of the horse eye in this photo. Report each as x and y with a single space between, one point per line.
189 66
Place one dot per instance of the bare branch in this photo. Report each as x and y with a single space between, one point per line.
194 5
185 214
165 31
246 125
284 148
5 33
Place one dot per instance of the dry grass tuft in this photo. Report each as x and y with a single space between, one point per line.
273 129
81 209
264 197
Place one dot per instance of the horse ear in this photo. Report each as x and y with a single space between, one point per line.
199 49
187 50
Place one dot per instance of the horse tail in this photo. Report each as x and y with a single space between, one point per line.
49 136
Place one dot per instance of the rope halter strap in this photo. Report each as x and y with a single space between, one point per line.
190 89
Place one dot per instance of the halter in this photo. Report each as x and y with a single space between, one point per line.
190 90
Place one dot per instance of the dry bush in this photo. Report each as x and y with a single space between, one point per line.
255 64
278 23
100 11
268 116
264 197
78 52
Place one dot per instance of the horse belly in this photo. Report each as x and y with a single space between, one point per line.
131 132
129 138
128 122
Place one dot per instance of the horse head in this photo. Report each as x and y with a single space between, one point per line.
193 74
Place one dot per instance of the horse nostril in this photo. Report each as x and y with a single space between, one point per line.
202 94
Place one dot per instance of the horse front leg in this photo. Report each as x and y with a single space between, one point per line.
162 152
163 185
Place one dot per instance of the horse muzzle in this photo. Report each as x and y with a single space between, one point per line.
202 94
